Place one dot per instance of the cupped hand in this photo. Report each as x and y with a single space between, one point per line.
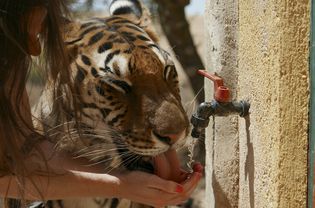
152 190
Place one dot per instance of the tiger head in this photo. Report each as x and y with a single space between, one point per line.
126 85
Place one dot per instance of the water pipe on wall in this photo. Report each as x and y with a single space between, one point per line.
219 106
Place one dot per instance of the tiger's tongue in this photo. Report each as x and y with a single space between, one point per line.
167 166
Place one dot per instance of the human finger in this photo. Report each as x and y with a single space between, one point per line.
197 167
166 185
193 180
166 199
191 183
183 176
189 186
178 199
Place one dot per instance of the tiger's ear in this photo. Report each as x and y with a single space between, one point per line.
134 11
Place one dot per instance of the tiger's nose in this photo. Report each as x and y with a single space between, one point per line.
169 138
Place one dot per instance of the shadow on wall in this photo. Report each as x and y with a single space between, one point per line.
221 200
249 165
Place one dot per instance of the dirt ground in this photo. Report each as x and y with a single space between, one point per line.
197 27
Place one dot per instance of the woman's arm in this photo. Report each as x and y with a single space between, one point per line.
73 184
73 179
60 177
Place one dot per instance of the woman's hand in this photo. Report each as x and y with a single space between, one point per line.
74 179
151 190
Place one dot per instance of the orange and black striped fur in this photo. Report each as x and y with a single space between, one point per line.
126 89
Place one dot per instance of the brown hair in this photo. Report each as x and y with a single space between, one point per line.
14 68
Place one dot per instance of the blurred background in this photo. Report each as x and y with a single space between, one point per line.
180 27
179 24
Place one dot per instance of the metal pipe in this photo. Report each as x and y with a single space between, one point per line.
200 120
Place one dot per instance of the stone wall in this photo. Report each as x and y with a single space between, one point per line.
261 49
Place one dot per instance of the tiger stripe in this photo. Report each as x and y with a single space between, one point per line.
121 77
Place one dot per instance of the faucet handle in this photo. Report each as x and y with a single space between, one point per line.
221 92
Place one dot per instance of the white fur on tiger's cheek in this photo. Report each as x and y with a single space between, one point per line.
101 73
181 141
100 59
122 65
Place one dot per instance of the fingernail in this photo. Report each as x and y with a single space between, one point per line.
179 189
198 168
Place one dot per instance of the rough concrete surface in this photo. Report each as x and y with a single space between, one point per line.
259 81
273 74
222 141
272 51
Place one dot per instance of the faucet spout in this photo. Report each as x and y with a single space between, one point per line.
220 106
200 120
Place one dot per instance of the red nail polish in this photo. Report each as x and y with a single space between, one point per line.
198 168
179 189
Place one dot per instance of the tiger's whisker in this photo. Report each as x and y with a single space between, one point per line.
120 163
98 153
191 106
108 159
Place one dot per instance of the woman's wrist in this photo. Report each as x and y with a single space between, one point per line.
73 184
101 185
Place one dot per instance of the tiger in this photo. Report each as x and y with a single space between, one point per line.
127 91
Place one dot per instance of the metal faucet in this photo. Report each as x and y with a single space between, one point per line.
220 106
